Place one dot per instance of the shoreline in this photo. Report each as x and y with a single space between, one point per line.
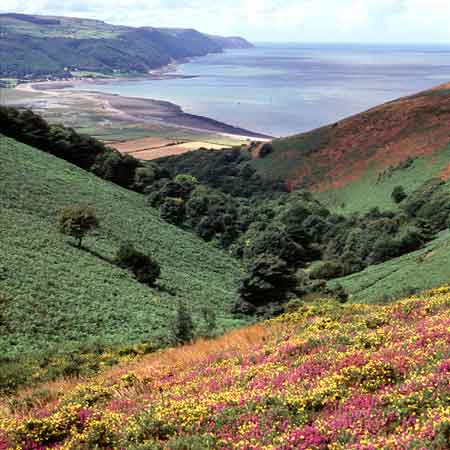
134 109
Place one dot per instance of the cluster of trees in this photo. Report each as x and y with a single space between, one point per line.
279 235
289 243
229 171
84 151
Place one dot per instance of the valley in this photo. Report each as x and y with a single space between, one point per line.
171 280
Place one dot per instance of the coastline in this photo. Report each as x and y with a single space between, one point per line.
58 94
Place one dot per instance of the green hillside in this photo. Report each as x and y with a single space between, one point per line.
414 272
55 295
354 164
34 46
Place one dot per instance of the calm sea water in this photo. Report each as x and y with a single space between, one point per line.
285 89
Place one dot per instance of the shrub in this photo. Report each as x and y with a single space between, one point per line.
398 194
77 221
209 319
172 210
266 149
182 326
327 270
120 169
339 293
145 269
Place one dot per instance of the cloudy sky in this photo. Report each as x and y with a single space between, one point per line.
409 21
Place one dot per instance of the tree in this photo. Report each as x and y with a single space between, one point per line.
398 194
267 281
183 326
77 221
172 210
145 269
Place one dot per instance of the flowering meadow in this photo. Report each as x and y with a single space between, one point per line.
322 376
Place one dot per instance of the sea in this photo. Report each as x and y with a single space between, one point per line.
282 89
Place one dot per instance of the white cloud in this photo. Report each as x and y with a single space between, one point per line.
270 20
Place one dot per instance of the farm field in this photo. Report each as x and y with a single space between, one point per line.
151 148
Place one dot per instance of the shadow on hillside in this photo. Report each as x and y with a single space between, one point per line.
168 290
159 287
94 253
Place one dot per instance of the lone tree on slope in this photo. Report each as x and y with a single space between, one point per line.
77 221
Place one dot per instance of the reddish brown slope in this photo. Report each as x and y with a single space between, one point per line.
334 156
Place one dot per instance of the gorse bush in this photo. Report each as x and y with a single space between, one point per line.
145 268
323 375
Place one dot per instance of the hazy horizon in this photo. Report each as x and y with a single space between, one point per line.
297 21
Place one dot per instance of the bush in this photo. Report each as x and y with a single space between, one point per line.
209 319
145 269
117 168
182 326
266 149
172 210
398 194
339 293
77 221
327 270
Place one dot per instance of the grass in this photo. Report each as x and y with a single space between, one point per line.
67 28
323 376
59 297
289 153
426 268
373 190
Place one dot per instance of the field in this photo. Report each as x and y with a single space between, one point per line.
323 376
151 148
55 296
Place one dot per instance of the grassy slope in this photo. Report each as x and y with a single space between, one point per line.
342 161
58 295
324 376
423 269
372 190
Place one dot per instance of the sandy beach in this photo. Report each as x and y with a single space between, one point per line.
63 94
147 129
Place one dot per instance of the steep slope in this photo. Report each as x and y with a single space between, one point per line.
324 376
55 295
32 46
346 160
414 272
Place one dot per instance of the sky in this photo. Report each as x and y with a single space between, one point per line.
373 21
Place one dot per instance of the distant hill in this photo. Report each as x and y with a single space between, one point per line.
33 46
355 163
231 42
